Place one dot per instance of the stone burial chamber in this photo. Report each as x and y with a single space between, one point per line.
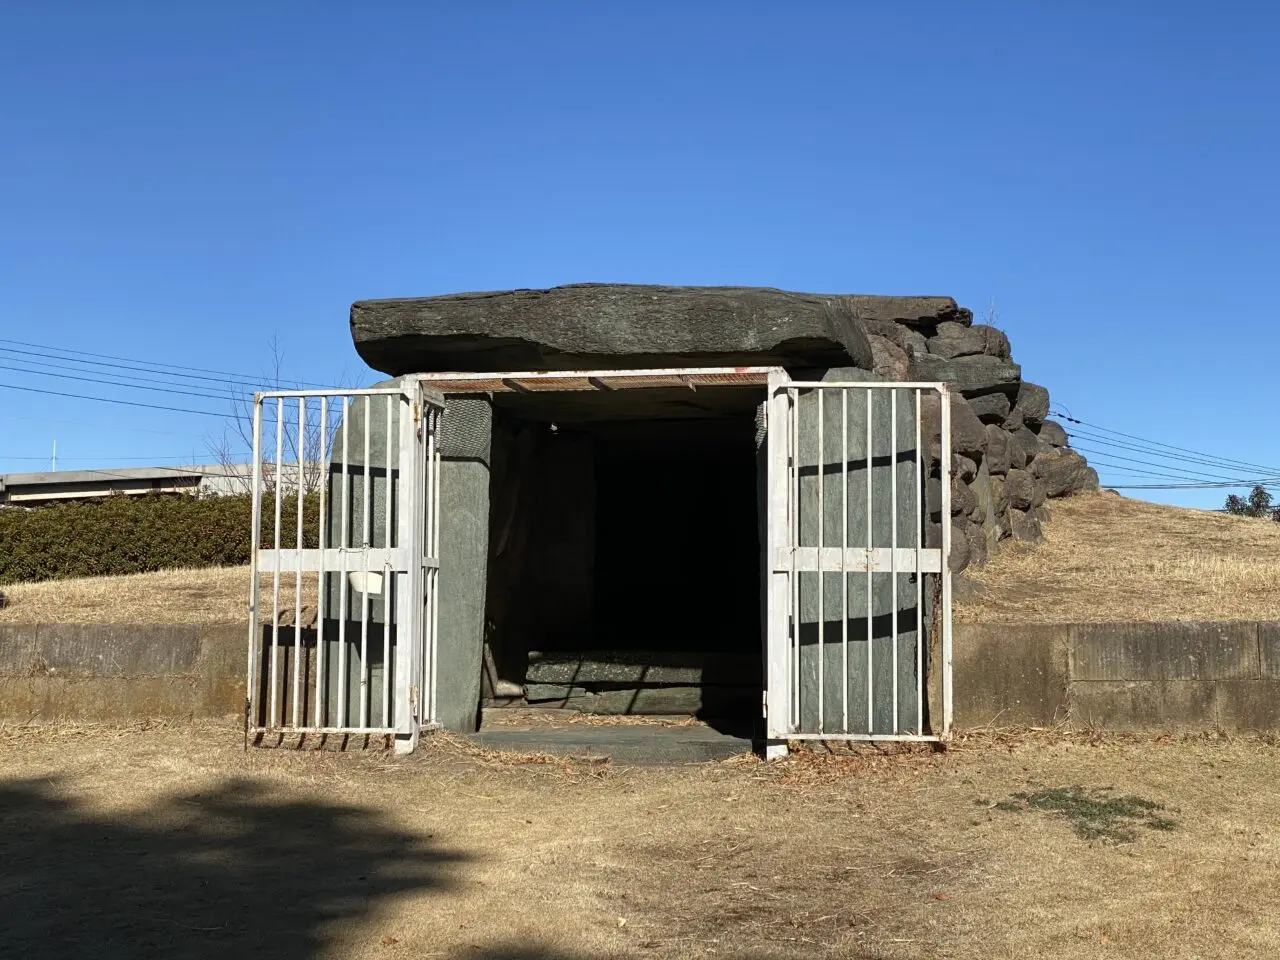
602 549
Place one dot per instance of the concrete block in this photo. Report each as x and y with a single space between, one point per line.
1007 675
99 700
118 650
221 669
1269 650
17 648
1164 651
1249 706
1144 706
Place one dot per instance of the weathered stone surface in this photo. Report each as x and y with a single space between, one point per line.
605 326
995 342
1052 434
977 543
703 700
1019 489
1160 705
956 340
1010 677
991 407
963 467
1023 527
1040 513
889 359
969 375
1060 471
651 668
909 339
959 558
17 649
963 499
1032 402
997 452
111 650
965 589
1023 447
978 514
968 435
1164 651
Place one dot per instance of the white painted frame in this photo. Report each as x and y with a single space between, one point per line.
786 560
412 525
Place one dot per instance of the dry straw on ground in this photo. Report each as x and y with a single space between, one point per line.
201 849
1108 558
214 595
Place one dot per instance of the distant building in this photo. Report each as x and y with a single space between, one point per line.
38 489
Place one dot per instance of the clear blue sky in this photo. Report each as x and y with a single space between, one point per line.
179 182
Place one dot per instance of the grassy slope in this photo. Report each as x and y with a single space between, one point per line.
1109 558
1105 558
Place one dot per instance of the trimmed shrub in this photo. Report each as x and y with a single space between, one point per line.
119 535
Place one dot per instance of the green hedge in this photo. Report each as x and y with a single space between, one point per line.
120 535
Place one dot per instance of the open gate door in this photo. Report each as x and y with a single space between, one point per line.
346 546
858 626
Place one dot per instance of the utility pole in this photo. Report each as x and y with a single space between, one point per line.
53 463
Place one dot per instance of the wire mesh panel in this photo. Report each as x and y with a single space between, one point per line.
859 621
345 560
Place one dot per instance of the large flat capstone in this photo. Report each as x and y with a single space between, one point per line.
621 326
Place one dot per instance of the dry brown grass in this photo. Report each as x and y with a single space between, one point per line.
1105 558
212 595
1109 558
174 838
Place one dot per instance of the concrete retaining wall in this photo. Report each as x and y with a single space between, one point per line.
1119 676
113 672
1151 677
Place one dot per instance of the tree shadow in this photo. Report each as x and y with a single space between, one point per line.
229 872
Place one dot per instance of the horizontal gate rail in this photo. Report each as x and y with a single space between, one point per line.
835 681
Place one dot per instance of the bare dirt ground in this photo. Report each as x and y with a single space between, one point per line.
1108 558
172 842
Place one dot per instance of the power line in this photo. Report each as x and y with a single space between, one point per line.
224 375
113 383
1183 473
1205 460
127 403
1157 443
172 381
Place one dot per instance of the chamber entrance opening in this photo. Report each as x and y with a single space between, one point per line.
624 570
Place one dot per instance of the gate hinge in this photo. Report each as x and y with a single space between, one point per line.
764 704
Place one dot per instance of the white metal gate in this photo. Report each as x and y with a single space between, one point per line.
349 646
858 631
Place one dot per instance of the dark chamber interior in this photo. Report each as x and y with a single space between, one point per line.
624 563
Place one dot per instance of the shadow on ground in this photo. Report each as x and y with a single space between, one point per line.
232 872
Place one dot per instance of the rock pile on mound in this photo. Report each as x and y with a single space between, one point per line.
1008 457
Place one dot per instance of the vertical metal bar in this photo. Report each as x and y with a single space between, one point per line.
344 541
276 706
366 533
322 473
252 696
871 673
794 511
387 580
297 577
919 533
435 552
945 454
822 572
844 559
893 544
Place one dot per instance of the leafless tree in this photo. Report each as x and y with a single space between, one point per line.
232 450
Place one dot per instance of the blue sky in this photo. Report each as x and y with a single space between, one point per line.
179 183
